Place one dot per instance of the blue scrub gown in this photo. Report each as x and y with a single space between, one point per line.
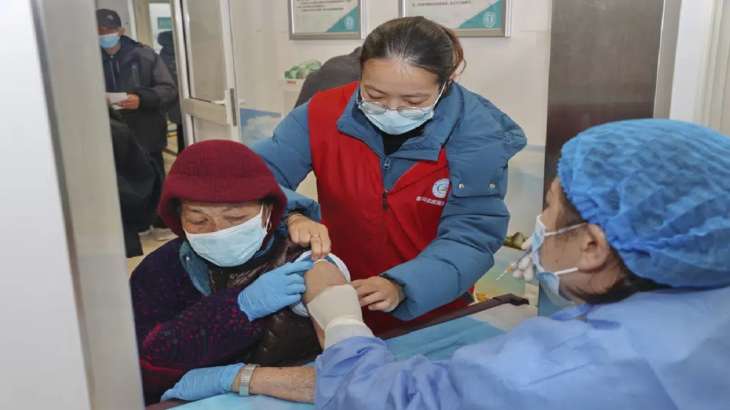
658 350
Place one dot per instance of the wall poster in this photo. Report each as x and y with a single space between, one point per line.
469 18
325 19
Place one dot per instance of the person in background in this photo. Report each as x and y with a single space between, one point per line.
335 72
167 53
411 172
135 69
138 180
220 293
636 231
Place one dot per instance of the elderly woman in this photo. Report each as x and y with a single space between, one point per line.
220 292
636 232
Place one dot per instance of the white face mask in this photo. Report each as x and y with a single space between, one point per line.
109 40
399 121
550 281
232 246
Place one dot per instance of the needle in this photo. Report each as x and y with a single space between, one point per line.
513 265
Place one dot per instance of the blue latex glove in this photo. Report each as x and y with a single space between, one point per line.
201 383
274 290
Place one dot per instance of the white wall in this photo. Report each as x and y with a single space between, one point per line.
716 110
691 61
40 347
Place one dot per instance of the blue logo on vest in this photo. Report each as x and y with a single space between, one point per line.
441 188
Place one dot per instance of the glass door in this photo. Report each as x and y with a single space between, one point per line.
208 94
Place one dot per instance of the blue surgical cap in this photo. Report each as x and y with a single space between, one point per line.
660 190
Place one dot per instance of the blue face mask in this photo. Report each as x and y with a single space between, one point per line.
549 281
109 40
232 246
399 121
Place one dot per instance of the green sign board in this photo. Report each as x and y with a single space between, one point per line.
469 18
325 19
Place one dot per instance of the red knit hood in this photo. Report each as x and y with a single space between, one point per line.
218 171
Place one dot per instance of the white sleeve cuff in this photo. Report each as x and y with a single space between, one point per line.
345 328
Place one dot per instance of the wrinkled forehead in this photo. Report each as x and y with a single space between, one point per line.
210 208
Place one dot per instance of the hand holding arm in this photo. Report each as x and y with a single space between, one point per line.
274 290
308 233
379 293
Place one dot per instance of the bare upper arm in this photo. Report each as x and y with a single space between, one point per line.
322 275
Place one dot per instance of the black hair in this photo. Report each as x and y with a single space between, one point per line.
419 42
628 284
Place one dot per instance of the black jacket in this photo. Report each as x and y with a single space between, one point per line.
137 69
167 53
336 71
138 180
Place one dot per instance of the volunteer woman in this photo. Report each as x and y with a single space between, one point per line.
411 173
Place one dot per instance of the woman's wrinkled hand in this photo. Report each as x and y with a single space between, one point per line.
309 234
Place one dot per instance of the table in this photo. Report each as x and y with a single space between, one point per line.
437 339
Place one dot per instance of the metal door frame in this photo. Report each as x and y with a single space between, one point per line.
229 115
86 184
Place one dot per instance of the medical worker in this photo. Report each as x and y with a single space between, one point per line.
637 232
411 173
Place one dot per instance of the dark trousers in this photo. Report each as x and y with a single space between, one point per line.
180 138
160 165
